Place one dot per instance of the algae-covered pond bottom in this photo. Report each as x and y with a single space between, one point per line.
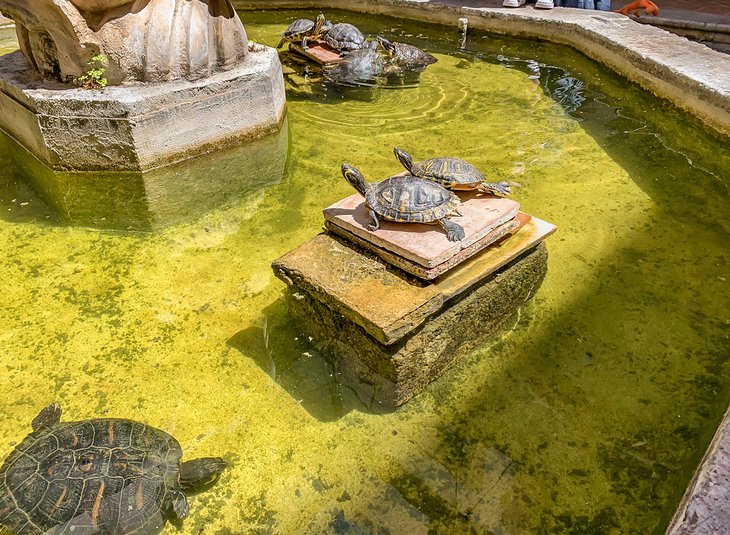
587 415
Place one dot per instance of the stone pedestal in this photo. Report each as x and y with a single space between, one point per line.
389 334
140 127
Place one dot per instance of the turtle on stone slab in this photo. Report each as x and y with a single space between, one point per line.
303 29
407 199
345 36
452 173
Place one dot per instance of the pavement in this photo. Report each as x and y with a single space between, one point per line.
706 21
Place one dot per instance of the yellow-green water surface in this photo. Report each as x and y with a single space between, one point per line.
587 415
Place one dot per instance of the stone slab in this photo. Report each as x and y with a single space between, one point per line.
705 508
140 127
426 245
391 374
317 52
499 232
388 304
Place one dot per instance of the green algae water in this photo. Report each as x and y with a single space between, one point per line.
586 415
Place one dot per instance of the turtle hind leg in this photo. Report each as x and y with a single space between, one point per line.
200 473
454 232
500 189
375 225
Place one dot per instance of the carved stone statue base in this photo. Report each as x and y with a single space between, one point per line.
139 127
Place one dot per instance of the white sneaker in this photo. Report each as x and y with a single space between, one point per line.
513 3
544 4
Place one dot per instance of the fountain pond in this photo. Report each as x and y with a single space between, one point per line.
587 415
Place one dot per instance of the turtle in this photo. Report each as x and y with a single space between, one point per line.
407 199
345 36
406 56
364 64
452 173
97 476
304 29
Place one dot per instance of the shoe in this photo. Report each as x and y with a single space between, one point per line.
513 3
544 4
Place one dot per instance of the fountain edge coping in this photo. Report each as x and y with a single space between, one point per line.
708 490
692 76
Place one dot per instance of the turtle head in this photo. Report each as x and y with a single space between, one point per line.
355 178
404 158
387 45
319 23
199 473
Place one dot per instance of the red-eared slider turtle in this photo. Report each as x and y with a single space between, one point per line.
303 29
100 476
451 173
407 199
344 36
363 65
406 56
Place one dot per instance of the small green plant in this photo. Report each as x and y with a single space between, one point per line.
94 78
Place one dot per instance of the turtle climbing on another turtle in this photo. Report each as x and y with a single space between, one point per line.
345 36
452 173
98 476
407 199
304 29
406 56
362 65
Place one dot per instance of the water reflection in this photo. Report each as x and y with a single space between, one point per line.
139 201
319 385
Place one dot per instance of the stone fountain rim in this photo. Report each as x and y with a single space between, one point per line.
693 77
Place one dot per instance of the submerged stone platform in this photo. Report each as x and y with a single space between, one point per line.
390 335
144 126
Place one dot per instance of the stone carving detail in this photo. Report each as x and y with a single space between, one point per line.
143 40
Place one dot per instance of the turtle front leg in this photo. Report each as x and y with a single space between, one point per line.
454 232
375 225
180 506
304 42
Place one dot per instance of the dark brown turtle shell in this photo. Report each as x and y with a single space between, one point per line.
345 36
452 173
410 199
105 475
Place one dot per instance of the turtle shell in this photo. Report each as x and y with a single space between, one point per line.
448 171
359 65
298 28
410 199
344 36
104 475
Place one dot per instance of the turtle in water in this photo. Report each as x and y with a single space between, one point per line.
363 65
406 56
99 476
345 36
407 199
302 30
451 173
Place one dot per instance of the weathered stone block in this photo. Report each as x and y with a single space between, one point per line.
140 127
390 335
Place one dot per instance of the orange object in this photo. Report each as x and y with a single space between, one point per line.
635 7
